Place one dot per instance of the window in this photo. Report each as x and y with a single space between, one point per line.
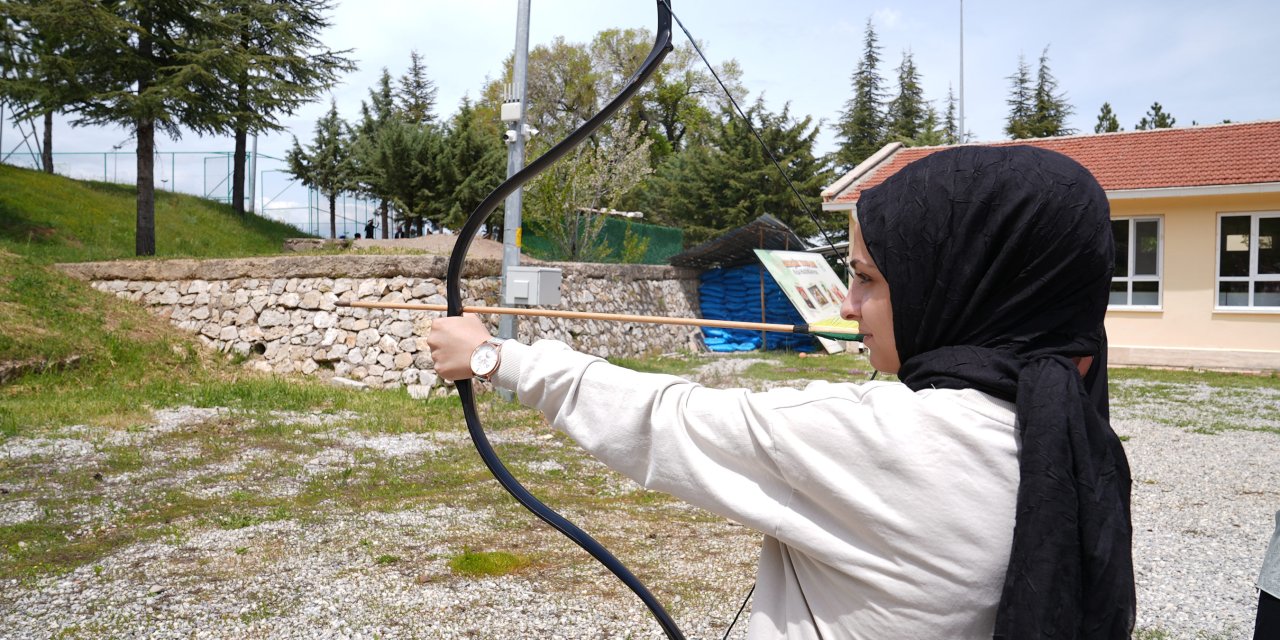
1249 261
1136 282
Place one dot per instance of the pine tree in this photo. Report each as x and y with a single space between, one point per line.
930 134
861 129
375 118
907 111
325 165
950 127
711 188
1156 118
1018 123
1107 121
34 75
282 65
474 162
417 93
1049 107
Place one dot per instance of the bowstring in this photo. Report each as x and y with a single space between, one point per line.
751 127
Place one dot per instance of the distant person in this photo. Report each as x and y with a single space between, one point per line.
357 236
368 228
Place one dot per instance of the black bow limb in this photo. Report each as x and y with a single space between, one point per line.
453 293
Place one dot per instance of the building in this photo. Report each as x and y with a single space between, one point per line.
1196 217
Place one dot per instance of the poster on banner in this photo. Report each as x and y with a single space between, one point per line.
810 284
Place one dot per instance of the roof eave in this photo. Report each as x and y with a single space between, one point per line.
1186 192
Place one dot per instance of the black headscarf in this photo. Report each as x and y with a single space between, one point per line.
999 263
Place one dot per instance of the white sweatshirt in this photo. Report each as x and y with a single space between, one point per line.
887 513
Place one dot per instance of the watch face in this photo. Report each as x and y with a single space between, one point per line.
484 359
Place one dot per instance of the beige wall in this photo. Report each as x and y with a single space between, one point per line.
1187 331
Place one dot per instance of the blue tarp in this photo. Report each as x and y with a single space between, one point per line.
734 294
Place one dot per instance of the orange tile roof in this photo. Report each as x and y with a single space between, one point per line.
1228 154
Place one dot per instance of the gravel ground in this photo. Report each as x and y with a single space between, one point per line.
1202 504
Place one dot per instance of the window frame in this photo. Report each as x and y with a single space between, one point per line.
1254 277
1131 258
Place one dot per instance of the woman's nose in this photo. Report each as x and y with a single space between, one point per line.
851 308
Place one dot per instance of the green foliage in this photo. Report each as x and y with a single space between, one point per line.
280 66
1051 110
570 197
950 126
487 563
473 163
861 128
908 110
325 165
709 189
569 82
1018 124
1107 121
1156 118
416 96
1040 111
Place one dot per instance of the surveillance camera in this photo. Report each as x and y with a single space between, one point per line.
530 132
509 136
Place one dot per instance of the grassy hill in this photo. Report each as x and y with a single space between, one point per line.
55 219
49 318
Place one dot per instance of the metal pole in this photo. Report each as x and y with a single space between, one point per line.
515 161
254 164
961 135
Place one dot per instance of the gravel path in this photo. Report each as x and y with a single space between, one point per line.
1203 507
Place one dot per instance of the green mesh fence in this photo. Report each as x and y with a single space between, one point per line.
664 242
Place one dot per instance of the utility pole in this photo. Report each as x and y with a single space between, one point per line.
515 162
962 130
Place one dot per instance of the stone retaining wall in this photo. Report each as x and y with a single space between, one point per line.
282 313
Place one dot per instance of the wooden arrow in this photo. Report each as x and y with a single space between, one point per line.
834 329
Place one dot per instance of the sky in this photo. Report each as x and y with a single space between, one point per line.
1203 62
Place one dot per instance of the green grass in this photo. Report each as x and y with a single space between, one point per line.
840 367
487 563
55 219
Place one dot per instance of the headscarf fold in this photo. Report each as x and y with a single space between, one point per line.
999 263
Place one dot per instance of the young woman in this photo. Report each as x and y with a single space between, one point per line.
983 495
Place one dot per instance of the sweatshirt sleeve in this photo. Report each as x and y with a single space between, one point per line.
709 447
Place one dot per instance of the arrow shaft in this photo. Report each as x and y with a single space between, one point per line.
587 315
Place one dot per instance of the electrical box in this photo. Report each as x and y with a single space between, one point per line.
511 111
533 286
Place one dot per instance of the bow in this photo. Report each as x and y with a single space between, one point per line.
661 46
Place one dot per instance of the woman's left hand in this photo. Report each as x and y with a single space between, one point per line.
451 342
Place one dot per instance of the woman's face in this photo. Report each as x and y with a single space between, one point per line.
868 303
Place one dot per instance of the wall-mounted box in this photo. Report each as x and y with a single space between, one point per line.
533 286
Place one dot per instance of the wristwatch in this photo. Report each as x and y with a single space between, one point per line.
486 358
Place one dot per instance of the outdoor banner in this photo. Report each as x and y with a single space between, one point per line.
811 286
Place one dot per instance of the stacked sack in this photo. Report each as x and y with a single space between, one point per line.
734 294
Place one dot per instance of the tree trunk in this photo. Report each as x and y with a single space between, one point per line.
237 171
46 151
333 215
385 225
145 233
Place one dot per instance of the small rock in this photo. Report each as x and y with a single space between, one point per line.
348 383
